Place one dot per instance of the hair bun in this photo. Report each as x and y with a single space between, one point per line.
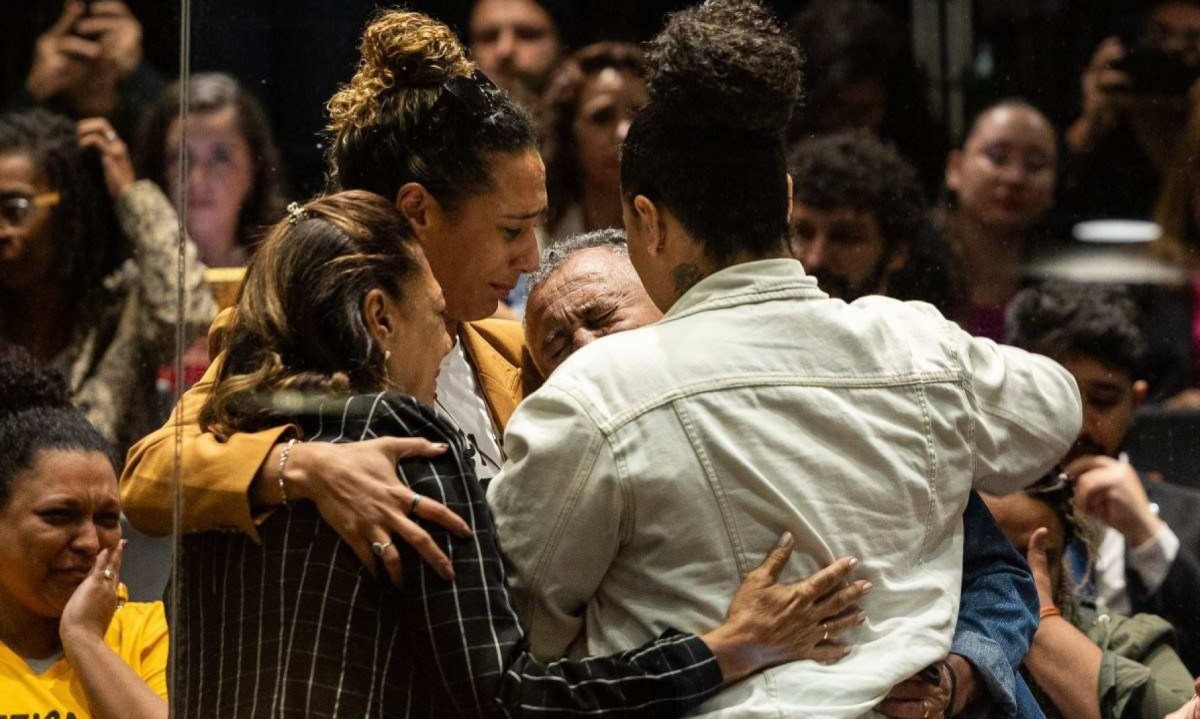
726 63
400 49
25 385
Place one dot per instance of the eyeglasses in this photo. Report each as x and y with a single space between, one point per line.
15 210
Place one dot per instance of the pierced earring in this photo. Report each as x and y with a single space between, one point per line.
387 355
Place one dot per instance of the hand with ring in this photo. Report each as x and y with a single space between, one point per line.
90 609
356 490
771 623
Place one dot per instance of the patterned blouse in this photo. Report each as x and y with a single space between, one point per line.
127 330
296 626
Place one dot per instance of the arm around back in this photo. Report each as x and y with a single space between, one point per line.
215 476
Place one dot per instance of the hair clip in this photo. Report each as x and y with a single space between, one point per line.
296 213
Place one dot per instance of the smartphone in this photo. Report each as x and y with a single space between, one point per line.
1156 72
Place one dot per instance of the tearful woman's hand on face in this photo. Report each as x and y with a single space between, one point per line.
770 623
90 609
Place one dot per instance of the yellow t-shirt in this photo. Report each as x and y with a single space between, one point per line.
138 634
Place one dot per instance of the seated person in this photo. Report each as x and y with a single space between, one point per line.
88 268
1086 662
860 223
1149 557
88 62
340 331
69 644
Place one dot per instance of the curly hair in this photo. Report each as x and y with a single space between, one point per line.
857 170
36 415
210 92
89 240
1079 532
398 122
299 323
1059 318
560 106
709 146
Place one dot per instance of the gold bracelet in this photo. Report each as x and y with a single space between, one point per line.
283 458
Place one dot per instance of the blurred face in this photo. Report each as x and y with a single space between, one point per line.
608 101
220 175
1019 516
514 42
1175 27
419 341
1110 399
595 293
844 249
478 252
860 103
61 512
1005 173
28 256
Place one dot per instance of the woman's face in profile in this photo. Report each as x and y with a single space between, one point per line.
607 103
478 252
415 350
60 513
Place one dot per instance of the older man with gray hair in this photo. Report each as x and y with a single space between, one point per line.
585 288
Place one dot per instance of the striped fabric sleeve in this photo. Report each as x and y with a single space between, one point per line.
472 636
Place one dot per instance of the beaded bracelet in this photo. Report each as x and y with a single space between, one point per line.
283 458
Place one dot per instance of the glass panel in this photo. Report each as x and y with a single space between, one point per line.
90 288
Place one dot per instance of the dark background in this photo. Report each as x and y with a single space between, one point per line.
293 54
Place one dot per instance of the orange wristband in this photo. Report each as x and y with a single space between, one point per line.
1051 611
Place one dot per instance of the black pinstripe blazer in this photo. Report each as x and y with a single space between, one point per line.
297 626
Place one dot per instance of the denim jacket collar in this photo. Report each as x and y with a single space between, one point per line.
747 283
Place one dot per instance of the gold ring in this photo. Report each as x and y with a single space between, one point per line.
108 573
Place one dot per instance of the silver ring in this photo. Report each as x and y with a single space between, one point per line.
110 136
378 548
825 627
108 573
412 508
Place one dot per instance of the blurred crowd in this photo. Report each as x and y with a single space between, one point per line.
131 207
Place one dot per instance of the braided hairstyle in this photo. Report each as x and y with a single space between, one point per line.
90 242
724 80
418 110
36 414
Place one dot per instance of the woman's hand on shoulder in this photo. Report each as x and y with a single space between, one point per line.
771 623
355 488
96 132
90 609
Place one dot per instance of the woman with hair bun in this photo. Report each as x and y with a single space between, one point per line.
420 126
660 461
70 645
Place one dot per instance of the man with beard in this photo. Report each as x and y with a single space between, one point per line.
517 44
1148 559
859 222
